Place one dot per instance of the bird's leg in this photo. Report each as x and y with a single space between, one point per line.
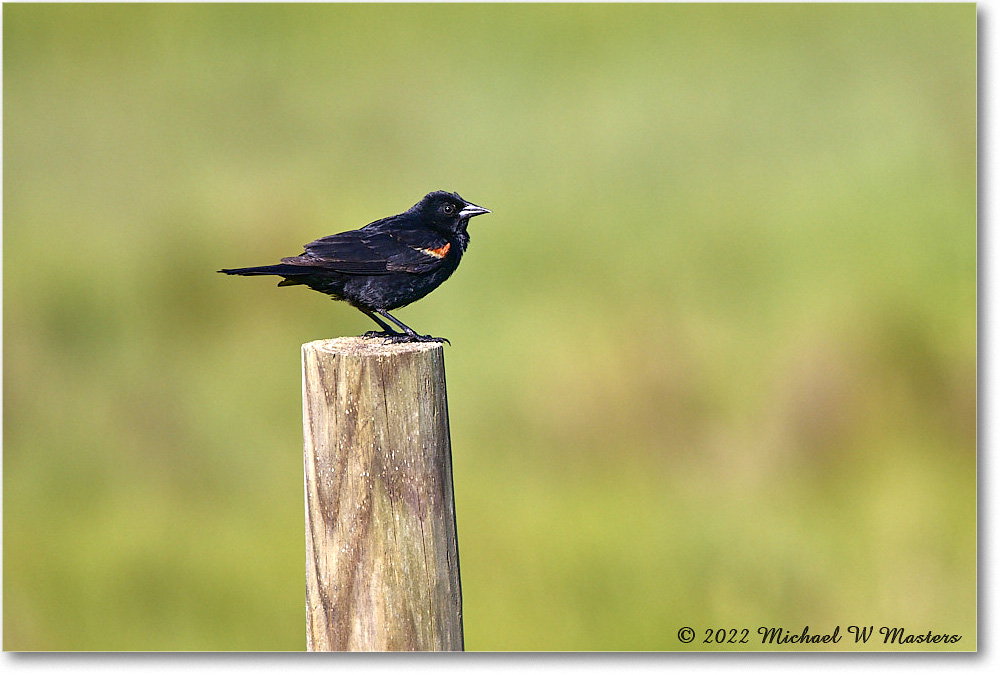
410 334
386 332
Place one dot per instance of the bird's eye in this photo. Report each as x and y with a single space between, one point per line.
449 209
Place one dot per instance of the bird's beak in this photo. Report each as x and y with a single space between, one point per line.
472 210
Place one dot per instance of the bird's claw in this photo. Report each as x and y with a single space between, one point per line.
383 334
427 338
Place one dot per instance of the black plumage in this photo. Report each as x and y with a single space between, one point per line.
386 264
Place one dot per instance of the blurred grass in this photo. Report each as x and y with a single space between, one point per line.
714 353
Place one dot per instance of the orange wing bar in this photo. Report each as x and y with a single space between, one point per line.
437 252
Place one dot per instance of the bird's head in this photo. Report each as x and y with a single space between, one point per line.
448 211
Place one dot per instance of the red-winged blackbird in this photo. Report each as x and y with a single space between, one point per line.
386 264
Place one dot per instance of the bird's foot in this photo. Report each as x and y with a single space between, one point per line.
392 337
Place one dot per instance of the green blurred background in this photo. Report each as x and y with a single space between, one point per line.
713 356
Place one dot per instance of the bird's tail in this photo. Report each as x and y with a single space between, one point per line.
280 270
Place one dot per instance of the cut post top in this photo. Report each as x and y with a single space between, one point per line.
359 346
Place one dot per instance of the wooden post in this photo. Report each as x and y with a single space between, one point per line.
381 547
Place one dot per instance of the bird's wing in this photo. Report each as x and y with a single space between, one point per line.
375 252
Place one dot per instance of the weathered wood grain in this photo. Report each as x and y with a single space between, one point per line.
381 548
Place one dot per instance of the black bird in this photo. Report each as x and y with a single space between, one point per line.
386 264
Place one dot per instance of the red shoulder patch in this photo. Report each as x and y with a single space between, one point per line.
437 252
